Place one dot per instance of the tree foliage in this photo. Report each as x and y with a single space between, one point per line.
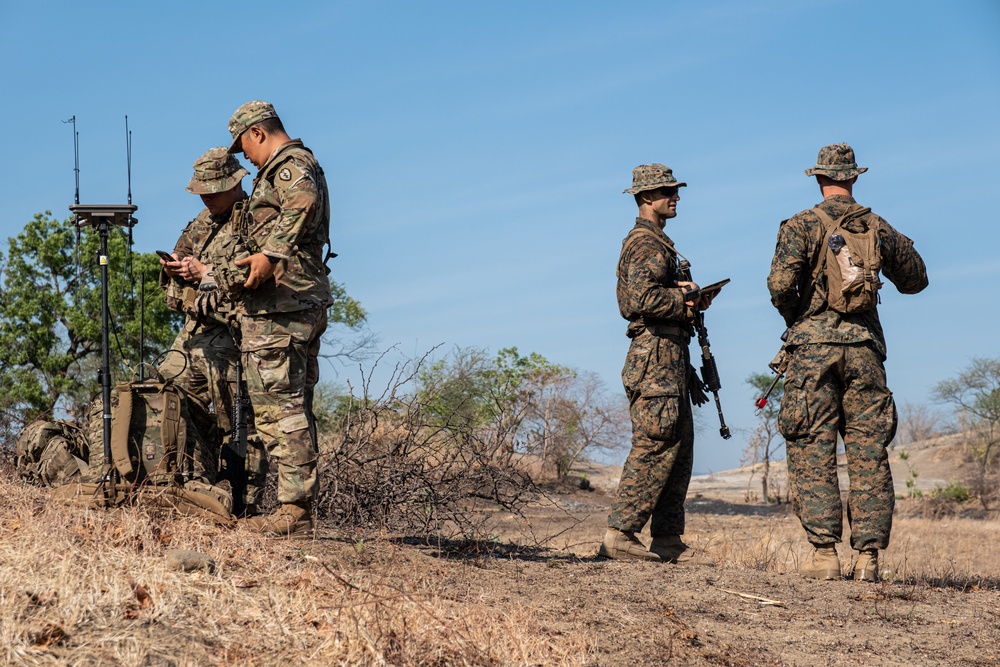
975 395
50 329
536 407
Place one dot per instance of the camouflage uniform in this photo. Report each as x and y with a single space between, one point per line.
202 359
656 375
283 319
835 381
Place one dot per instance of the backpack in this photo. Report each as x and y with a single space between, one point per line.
151 441
849 261
51 453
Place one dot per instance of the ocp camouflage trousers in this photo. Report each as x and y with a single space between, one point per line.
831 389
281 357
657 471
202 362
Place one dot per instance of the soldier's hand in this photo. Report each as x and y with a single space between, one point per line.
192 270
261 269
171 267
706 300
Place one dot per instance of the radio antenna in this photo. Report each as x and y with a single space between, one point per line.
76 196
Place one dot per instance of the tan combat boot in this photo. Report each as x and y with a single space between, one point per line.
622 545
289 520
671 549
866 566
822 564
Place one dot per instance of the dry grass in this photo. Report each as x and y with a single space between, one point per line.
79 587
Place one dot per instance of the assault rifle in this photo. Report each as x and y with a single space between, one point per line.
234 452
709 371
778 365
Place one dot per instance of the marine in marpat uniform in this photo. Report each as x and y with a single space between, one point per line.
203 357
824 282
284 301
659 380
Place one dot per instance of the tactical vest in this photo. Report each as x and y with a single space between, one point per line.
678 330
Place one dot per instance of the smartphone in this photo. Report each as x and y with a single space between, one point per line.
166 256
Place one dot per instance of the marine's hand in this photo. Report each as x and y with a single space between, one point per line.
260 269
688 287
706 300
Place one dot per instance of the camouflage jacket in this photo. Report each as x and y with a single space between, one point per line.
288 217
210 240
798 250
647 290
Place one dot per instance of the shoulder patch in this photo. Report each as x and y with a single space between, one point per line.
288 174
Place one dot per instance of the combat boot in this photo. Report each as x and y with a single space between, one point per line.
289 520
671 549
866 566
822 564
622 545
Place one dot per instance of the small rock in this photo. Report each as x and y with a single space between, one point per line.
187 560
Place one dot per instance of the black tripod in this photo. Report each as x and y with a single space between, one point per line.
101 217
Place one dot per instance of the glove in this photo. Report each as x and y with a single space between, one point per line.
207 302
208 280
695 388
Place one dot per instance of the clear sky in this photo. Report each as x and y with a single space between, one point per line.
476 153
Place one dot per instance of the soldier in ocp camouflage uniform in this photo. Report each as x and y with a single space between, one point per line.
284 304
835 380
659 380
203 357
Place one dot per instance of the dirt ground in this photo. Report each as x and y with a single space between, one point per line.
753 609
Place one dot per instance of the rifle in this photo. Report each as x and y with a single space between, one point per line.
778 366
709 370
234 452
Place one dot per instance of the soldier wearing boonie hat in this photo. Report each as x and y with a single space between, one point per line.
835 380
283 305
203 356
216 171
658 381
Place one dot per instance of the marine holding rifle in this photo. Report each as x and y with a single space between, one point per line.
824 281
657 297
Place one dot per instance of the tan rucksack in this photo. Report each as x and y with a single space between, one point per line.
849 261
51 453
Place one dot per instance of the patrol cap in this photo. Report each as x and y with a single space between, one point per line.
217 170
837 162
247 116
652 176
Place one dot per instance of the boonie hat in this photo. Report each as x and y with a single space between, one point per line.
837 162
217 170
652 176
246 117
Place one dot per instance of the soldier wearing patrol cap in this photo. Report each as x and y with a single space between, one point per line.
283 304
835 378
659 381
203 357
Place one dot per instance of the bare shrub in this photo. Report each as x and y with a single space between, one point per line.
392 465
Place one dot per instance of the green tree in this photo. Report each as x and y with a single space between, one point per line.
50 328
975 395
765 442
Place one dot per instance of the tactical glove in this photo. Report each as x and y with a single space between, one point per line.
207 302
696 390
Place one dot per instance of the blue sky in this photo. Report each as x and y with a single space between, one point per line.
476 152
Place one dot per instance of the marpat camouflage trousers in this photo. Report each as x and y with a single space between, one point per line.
281 358
657 471
203 364
831 389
